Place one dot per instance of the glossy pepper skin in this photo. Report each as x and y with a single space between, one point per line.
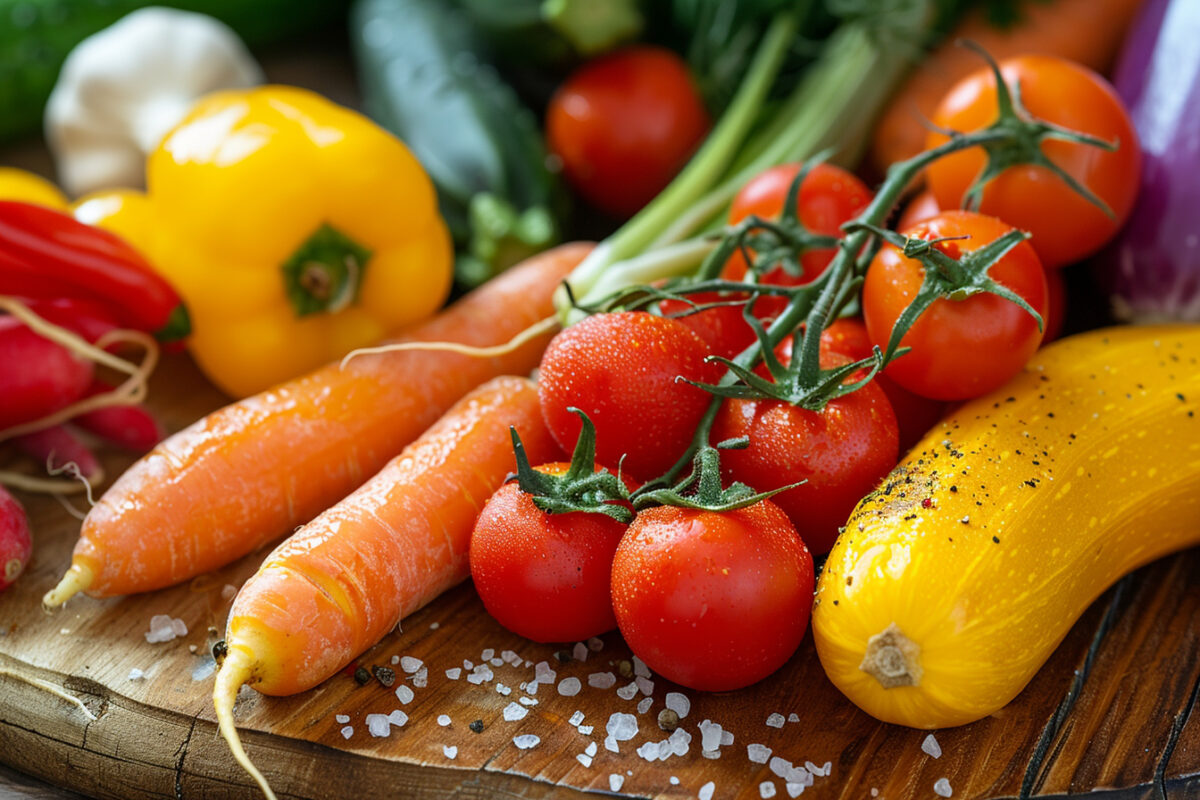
295 229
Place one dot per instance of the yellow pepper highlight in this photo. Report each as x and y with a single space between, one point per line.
26 187
295 230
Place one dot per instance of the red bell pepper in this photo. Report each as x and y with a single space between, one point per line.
46 253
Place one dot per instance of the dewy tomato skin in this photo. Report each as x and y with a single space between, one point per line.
713 601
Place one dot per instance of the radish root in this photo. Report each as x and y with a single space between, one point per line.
131 391
532 332
52 689
237 668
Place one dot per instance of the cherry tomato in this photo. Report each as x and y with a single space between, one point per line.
723 328
712 601
1056 305
841 452
960 348
621 370
545 576
624 124
919 209
1065 226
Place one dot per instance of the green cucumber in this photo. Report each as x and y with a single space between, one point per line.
427 77
37 35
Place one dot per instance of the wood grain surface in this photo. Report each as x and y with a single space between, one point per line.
1129 732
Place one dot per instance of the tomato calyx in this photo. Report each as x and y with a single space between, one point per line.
701 489
948 277
582 488
1021 142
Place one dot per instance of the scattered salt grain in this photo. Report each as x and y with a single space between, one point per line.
378 725
622 727
136 674
454 673
433 626
510 656
591 749
395 660
758 753
228 591
569 687
487 655
794 789
814 769
644 684
204 669
648 751
674 780
480 674
164 629
874 792
530 688
615 782
450 751
468 664
628 692
644 705
514 712
543 673
443 720
640 668
575 719
595 644
679 703
586 730
610 744
421 678
942 788
410 664
602 680
502 689
931 746
775 721
496 662
398 718
404 694
347 732
680 741
579 652
781 766
706 791
527 701
526 741
712 736
766 789
793 717
584 759
342 718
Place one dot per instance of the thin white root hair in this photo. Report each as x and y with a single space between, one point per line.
532 332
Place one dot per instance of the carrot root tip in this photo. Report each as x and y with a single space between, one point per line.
237 668
77 579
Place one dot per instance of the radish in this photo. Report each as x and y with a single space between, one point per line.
16 545
40 376
55 447
129 426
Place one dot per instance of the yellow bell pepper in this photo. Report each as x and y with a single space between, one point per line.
295 230
17 184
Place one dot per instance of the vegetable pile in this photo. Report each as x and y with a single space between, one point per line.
772 376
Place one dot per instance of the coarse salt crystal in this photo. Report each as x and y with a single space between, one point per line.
514 712
680 741
481 674
575 719
942 788
502 689
766 789
595 644
674 780
450 751
579 652
615 782
530 688
628 692
644 705
342 718
610 744
780 766
526 741
347 732
711 736
395 660
398 718
793 717
931 746
775 721
706 791
586 730
433 626
569 687
640 668
814 769
758 753
487 655
421 678
378 725
584 759
679 703
178 626
468 664
162 629
645 685
591 748
874 792
543 673
228 591
496 662
726 738
510 656
602 680
454 673
622 727
527 701
404 694
443 720
136 674
648 751
794 789
410 664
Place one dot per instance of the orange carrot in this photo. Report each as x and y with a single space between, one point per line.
1087 31
337 585
250 472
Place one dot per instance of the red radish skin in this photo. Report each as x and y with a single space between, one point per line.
39 376
16 545
131 427
55 447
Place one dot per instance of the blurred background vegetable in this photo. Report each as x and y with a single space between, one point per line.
1152 272
16 545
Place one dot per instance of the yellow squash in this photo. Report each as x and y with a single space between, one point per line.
954 581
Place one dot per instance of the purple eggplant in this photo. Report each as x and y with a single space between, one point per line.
1152 271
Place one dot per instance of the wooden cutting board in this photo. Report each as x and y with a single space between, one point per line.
1112 710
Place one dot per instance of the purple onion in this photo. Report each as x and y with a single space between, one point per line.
1152 270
